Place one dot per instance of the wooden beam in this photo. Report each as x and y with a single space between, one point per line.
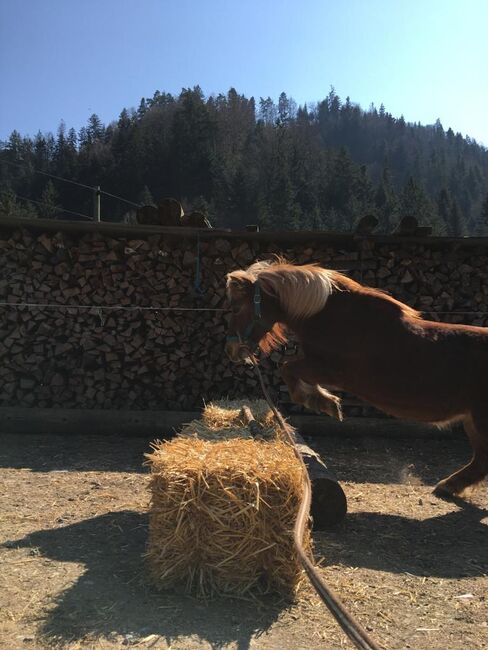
282 236
69 422
151 423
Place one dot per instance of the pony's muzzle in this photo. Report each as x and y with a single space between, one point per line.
237 351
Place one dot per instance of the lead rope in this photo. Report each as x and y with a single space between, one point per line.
348 623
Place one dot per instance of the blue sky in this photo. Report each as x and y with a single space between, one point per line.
65 59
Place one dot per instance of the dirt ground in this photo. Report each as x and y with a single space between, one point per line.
412 568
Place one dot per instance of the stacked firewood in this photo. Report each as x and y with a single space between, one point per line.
61 345
447 283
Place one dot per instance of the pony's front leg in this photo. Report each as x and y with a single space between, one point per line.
295 374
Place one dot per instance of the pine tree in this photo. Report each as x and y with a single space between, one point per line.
444 204
72 139
443 212
14 144
333 101
41 151
145 197
62 151
61 139
456 224
386 203
481 226
10 206
414 202
141 111
49 202
286 110
95 129
83 140
267 111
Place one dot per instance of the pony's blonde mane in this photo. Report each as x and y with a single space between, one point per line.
301 290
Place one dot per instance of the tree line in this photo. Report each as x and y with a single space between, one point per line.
323 165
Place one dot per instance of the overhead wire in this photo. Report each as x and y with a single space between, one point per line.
114 196
28 167
35 305
68 180
79 214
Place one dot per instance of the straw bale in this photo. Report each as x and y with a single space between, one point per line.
227 413
222 420
222 514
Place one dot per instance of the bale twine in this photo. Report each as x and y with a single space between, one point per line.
223 507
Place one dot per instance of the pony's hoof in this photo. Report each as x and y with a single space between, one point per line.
336 412
443 490
329 404
320 405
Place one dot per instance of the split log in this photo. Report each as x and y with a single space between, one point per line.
329 504
195 219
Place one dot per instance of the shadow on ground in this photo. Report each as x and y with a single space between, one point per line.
113 596
73 453
378 459
452 545
368 460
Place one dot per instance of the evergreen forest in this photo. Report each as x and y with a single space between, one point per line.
323 165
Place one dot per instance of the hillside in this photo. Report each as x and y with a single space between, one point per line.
323 165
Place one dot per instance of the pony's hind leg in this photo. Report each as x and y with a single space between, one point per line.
476 427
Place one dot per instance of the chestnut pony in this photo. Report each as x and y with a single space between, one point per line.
361 340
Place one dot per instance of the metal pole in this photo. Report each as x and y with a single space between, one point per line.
96 203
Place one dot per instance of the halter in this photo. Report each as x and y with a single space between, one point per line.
257 319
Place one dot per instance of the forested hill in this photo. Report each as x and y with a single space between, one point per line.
280 165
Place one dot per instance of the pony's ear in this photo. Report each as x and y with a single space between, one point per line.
238 282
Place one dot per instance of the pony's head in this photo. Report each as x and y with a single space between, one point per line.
267 298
